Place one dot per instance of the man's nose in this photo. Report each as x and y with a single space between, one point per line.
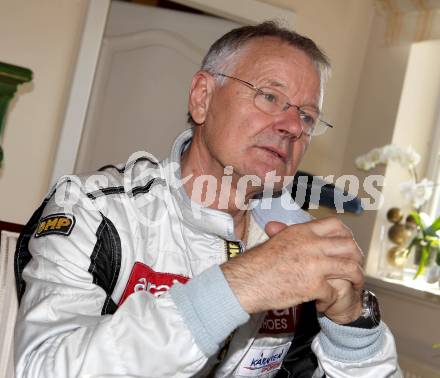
289 123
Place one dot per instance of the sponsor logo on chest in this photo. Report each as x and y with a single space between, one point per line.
262 360
143 278
280 321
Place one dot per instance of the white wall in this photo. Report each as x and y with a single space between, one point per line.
43 36
374 114
412 318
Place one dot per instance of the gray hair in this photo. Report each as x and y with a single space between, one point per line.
223 53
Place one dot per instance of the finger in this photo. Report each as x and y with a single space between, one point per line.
327 297
330 226
345 269
344 287
340 285
342 247
273 228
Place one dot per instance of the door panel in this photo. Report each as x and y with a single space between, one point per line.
139 96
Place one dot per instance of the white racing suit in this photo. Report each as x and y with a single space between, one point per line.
118 275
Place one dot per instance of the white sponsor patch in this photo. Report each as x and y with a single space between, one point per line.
259 361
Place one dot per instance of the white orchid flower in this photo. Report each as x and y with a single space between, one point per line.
417 193
407 157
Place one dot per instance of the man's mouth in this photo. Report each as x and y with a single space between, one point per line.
276 152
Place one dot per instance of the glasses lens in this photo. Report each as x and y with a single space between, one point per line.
270 100
319 129
308 117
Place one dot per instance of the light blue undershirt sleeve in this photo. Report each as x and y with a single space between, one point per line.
209 307
280 209
349 344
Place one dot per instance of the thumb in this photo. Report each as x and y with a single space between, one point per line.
273 228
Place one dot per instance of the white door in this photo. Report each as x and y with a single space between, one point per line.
139 96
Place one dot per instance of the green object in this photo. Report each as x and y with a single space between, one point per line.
426 242
10 78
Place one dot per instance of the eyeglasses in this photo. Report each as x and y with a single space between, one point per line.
274 102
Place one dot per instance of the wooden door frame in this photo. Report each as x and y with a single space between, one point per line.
242 11
81 88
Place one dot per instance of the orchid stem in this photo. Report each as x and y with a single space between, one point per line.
414 174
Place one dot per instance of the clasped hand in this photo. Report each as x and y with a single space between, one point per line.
317 260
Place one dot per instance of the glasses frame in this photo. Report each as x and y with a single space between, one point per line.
286 106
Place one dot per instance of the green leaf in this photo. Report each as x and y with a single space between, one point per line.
419 222
434 227
423 260
431 239
417 219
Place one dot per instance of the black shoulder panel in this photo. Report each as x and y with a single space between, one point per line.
22 254
105 262
105 259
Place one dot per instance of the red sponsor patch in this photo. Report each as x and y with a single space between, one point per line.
143 278
281 321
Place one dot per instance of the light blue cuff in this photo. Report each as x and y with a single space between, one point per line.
350 344
209 307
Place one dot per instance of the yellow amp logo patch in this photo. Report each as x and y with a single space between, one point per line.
61 224
233 249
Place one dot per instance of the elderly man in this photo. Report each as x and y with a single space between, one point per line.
140 271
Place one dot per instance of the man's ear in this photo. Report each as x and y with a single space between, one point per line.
200 94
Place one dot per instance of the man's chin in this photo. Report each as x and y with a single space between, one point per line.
272 179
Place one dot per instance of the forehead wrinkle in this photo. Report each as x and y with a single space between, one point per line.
284 85
257 67
277 84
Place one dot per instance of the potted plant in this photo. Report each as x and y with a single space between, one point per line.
424 239
426 247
